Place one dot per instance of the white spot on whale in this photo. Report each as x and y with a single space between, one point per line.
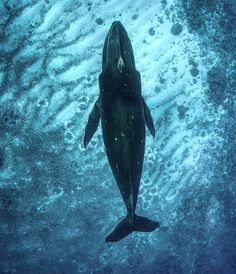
120 64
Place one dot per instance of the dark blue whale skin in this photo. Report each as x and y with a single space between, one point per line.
123 113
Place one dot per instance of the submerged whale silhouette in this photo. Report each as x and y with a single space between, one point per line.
123 114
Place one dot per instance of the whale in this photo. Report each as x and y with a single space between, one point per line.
124 117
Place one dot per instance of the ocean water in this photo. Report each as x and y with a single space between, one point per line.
58 201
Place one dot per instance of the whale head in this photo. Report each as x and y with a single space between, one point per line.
117 51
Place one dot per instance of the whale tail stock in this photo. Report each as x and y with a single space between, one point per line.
125 227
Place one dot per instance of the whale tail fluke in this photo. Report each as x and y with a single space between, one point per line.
144 224
125 227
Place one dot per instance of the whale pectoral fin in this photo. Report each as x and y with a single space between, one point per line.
92 123
148 118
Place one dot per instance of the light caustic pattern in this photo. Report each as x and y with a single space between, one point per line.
58 200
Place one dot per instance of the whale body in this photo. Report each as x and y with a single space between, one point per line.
124 115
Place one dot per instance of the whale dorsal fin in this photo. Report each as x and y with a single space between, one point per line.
148 118
92 123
